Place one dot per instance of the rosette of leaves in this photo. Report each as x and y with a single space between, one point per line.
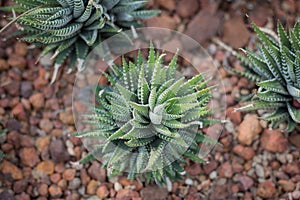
71 28
276 69
149 119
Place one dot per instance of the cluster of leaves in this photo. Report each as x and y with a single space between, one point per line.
72 28
2 131
276 69
149 119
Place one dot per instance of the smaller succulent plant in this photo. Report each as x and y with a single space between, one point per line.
149 118
72 28
2 131
276 69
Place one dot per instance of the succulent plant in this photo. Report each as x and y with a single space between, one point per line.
2 131
276 69
72 28
149 119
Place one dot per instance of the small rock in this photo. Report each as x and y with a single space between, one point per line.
292 168
37 100
58 151
117 186
13 125
167 4
296 194
187 8
62 184
266 190
287 186
3 65
42 143
153 192
55 191
235 32
13 88
248 129
245 152
20 48
46 125
211 166
74 184
69 174
273 141
55 178
194 169
260 14
66 118
259 170
102 192
295 140
220 192
43 189
9 168
81 190
225 170
22 196
96 172
20 186
213 175
246 182
189 181
203 26
5 195
126 194
29 156
26 141
163 21
205 184
47 167
84 177
235 117
92 187
26 89
17 61
19 112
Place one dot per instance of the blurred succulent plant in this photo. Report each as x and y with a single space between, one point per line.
71 28
2 131
276 69
148 119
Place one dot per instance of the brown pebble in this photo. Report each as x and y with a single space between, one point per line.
17 61
55 191
266 190
47 167
69 174
20 48
37 100
43 189
55 178
92 187
29 156
102 191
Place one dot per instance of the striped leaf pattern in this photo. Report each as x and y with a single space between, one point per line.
147 122
277 68
58 22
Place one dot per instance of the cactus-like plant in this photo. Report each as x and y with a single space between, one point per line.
2 131
276 69
71 28
149 118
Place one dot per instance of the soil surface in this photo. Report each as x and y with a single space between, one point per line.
252 162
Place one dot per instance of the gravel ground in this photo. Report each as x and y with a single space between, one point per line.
253 162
